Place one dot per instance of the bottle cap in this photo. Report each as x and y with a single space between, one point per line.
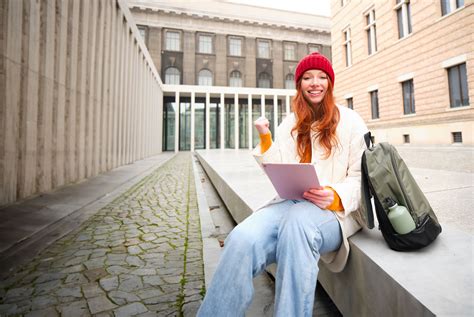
389 202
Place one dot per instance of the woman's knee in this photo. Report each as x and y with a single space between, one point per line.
311 222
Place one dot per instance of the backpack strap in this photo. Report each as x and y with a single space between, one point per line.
366 195
368 139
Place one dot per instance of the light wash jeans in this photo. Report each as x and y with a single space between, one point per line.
293 234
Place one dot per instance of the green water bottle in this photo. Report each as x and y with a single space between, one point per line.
399 217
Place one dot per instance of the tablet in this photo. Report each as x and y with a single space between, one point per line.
291 180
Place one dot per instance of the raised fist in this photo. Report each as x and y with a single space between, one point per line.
262 125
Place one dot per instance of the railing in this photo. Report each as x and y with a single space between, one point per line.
222 93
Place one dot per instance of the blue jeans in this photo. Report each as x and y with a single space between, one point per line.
293 234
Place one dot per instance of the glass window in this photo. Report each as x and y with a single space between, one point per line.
200 123
205 44
173 41
350 104
243 124
235 79
457 137
169 114
235 46
458 90
313 48
214 126
229 114
256 113
371 32
263 47
290 51
403 18
172 76
143 32
264 80
374 102
408 97
290 81
205 78
448 6
406 138
347 47
185 124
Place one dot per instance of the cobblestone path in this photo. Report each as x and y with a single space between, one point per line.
139 255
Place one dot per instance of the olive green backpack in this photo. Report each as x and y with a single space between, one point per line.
385 175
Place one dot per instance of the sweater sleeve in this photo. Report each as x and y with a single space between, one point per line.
336 205
265 142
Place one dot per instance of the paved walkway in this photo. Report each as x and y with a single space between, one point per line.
139 255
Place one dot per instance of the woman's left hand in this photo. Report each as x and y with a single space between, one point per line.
320 196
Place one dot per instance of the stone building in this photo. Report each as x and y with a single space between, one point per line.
219 43
407 68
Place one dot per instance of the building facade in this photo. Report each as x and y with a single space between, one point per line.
218 43
223 65
407 68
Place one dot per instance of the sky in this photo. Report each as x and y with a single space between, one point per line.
320 7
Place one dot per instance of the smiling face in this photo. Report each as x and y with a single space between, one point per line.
314 85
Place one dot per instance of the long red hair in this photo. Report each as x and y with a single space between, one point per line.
322 119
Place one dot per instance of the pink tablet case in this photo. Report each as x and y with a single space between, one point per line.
291 180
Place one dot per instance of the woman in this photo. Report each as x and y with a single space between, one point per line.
297 233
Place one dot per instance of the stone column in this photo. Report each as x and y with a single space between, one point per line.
154 45
277 56
221 60
250 63
189 52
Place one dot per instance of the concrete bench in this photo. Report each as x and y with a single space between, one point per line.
377 281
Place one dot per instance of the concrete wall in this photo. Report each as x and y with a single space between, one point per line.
79 94
421 56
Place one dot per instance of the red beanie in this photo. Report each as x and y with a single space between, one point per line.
314 61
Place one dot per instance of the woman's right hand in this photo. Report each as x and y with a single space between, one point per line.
262 125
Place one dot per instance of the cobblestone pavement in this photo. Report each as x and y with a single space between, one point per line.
139 255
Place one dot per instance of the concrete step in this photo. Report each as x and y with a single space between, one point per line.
437 280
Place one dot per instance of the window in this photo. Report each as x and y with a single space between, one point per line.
205 44
264 80
173 41
205 77
406 138
290 81
374 102
313 48
457 137
143 32
371 34
235 79
263 47
458 92
347 47
448 6
172 76
290 51
403 18
350 104
235 46
408 97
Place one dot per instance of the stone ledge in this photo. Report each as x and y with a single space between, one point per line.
437 280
